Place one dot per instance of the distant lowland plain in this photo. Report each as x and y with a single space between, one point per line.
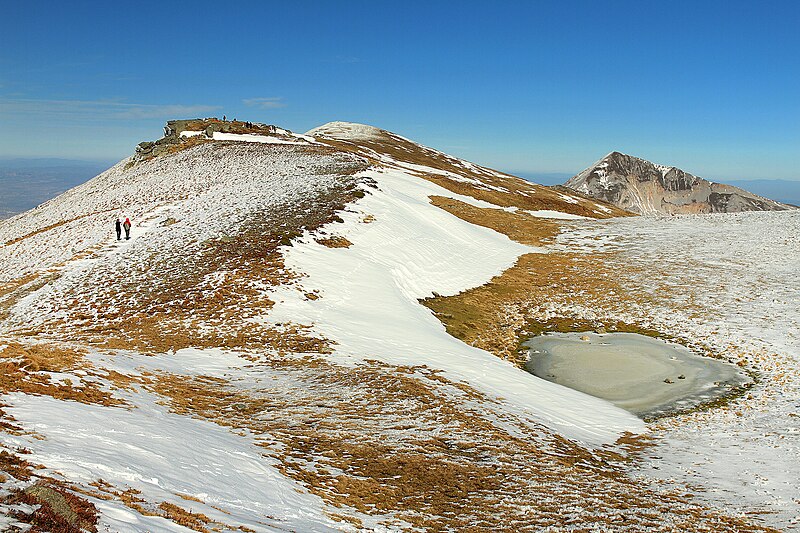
28 182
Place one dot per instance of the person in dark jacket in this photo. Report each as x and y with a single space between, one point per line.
127 226
119 229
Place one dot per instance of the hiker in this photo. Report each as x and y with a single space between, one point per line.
119 229
127 226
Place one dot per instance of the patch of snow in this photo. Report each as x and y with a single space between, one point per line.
569 199
728 282
163 454
547 213
254 138
347 131
369 302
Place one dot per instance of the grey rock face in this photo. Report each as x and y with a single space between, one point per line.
646 188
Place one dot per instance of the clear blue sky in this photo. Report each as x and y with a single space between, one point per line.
713 87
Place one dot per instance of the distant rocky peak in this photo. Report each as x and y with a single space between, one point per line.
644 187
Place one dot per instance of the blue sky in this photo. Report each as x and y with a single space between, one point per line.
712 87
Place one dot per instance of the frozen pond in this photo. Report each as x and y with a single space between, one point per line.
648 377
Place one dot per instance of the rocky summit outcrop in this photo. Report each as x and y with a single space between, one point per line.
643 187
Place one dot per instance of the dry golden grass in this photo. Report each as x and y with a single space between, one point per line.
495 187
404 441
519 227
179 515
334 242
134 500
13 465
189 497
497 315
22 367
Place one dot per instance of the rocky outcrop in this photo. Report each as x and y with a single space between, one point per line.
643 187
205 128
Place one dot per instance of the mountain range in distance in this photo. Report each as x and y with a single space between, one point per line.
647 188
784 191
27 182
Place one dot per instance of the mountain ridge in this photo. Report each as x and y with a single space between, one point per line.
332 321
644 187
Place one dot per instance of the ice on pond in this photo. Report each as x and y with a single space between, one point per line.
648 377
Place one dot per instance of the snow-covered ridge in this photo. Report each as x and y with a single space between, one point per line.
348 130
395 151
202 181
256 138
365 301
264 460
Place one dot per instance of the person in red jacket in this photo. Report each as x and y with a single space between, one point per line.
127 226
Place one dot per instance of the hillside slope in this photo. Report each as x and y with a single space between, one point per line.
646 188
256 357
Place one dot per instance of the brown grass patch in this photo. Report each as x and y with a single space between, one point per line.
498 188
189 497
15 466
133 499
519 227
22 367
405 442
334 242
179 515
497 316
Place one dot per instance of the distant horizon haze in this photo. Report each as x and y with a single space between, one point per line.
536 87
27 182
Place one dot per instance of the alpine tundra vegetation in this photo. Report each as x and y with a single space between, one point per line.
327 332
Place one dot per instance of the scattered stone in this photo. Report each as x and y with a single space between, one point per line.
667 380
145 148
601 330
681 377
585 338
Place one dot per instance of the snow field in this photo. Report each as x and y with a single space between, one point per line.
164 455
412 249
206 201
731 284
